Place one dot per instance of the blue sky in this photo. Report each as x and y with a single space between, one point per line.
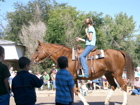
111 7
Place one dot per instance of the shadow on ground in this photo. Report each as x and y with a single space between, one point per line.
80 103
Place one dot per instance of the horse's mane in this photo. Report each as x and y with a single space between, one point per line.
58 45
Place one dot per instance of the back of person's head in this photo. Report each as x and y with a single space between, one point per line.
23 61
62 62
88 20
1 50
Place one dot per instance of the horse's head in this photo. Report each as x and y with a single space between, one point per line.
40 53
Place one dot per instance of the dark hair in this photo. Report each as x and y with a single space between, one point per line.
23 61
1 50
62 62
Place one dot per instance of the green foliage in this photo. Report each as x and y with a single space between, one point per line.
57 23
119 32
137 50
64 23
23 14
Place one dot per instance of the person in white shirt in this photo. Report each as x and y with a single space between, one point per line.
136 86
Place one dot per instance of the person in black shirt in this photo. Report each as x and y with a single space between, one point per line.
4 84
24 83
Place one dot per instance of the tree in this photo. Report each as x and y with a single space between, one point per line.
62 25
119 33
65 24
23 14
137 50
31 33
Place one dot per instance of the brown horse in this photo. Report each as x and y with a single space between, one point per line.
111 66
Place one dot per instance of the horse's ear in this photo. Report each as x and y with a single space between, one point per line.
39 43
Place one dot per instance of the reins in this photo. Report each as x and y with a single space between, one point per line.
50 54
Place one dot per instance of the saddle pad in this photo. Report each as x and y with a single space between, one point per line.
96 56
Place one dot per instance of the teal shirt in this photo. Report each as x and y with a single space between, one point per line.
91 30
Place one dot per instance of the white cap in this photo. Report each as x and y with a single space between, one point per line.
53 64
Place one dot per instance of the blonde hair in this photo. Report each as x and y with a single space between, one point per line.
88 20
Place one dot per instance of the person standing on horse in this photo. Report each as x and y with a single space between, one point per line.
90 44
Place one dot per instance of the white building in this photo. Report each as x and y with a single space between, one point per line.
13 52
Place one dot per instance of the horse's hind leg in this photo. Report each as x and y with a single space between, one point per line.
123 86
113 85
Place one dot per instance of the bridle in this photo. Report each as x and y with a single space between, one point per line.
49 55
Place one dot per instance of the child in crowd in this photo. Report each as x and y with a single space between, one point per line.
24 83
64 84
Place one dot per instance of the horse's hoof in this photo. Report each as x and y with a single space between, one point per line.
86 104
106 103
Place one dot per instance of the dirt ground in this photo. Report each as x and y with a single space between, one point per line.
92 100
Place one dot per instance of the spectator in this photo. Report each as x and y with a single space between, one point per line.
137 72
64 84
11 77
15 73
95 83
124 76
136 86
53 75
40 77
24 83
105 83
46 79
83 88
54 67
4 84
100 81
89 84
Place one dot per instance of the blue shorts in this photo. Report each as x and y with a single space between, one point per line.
4 99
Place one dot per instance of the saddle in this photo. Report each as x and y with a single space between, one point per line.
94 54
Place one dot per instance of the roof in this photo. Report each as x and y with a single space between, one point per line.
7 42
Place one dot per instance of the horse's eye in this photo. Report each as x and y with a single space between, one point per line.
37 50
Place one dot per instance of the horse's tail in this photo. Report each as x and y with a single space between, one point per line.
129 67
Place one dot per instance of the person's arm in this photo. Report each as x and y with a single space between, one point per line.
72 95
79 39
6 82
136 87
36 81
6 76
89 35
